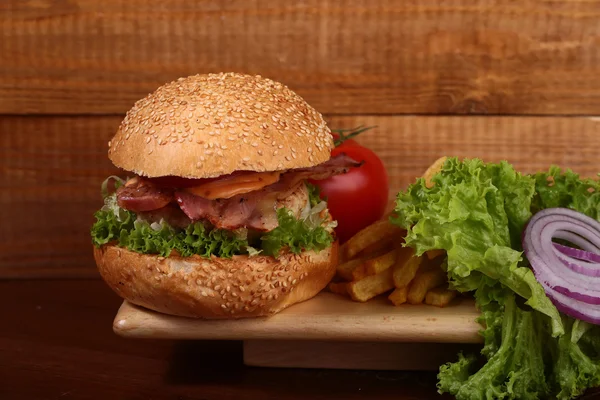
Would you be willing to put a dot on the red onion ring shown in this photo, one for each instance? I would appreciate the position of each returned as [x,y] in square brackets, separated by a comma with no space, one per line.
[569,276]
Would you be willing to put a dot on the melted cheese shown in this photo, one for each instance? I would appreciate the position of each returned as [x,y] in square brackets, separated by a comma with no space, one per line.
[231,186]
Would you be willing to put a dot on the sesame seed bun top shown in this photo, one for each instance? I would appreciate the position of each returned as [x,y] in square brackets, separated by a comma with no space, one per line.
[204,126]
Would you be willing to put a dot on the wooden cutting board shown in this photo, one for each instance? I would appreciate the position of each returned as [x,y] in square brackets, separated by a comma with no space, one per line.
[328,331]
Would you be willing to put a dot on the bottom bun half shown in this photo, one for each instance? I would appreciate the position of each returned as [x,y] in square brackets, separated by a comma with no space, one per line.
[238,287]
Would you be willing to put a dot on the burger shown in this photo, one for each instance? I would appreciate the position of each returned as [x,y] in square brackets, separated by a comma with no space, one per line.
[214,216]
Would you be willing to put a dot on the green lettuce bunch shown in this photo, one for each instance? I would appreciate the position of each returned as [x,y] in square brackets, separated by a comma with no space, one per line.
[477,211]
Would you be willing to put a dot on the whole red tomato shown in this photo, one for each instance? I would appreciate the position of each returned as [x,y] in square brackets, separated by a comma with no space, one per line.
[358,198]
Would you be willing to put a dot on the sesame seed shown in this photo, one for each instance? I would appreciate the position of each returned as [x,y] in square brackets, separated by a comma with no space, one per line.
[204,294]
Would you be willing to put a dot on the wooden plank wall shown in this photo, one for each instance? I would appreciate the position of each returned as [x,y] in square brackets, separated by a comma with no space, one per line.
[492,79]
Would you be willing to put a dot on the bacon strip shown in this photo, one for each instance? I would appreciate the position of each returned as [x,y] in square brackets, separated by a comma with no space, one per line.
[256,209]
[141,195]
[236,212]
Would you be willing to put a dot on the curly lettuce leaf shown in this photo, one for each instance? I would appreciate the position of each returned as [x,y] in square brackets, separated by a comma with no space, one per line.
[523,360]
[576,365]
[314,194]
[294,234]
[516,357]
[115,224]
[556,188]
[476,212]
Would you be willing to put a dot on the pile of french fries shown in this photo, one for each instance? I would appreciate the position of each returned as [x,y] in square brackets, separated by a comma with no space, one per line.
[374,262]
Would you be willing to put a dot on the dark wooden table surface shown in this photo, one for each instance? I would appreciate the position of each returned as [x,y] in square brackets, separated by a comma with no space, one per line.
[56,342]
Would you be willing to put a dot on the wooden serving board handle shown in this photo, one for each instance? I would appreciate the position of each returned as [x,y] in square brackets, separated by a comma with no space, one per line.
[351,355]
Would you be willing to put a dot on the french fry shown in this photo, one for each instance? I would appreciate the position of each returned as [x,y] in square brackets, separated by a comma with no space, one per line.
[381,263]
[372,266]
[349,270]
[372,234]
[346,269]
[399,296]
[376,249]
[359,272]
[339,288]
[406,268]
[371,286]
[432,170]
[424,281]
[440,296]
[431,254]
